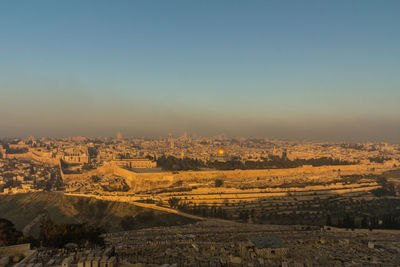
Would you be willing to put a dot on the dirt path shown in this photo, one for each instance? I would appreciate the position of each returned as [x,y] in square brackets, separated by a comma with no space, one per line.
[165,209]
[29,226]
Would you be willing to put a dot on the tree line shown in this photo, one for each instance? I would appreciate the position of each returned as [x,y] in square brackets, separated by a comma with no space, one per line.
[386,221]
[52,235]
[171,163]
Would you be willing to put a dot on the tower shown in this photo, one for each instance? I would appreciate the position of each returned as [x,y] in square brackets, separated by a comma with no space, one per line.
[284,154]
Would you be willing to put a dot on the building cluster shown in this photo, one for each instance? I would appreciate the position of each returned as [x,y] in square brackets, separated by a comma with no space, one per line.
[98,150]
[220,243]
[21,176]
[135,163]
[26,163]
[255,149]
[70,255]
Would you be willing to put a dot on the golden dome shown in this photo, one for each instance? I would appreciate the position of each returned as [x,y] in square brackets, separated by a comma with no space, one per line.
[221,151]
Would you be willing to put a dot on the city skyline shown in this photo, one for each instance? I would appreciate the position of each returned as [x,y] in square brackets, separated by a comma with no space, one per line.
[278,69]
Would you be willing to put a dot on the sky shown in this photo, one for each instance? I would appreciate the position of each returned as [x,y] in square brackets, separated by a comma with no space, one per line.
[315,70]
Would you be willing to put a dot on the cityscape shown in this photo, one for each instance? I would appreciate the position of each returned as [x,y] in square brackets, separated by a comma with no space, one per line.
[332,196]
[199,133]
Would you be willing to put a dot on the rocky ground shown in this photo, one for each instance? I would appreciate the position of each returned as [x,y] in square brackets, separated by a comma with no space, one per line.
[216,243]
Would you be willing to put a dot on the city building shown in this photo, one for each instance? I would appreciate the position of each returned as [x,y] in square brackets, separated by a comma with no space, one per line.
[135,163]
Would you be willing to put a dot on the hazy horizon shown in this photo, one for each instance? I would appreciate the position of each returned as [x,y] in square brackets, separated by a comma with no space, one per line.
[281,69]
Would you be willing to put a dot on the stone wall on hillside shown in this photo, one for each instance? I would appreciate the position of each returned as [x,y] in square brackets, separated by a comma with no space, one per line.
[240,174]
[148,181]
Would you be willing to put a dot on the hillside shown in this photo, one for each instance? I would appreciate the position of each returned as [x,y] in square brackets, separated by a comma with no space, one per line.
[22,209]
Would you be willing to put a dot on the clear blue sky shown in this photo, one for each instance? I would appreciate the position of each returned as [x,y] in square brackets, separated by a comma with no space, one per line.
[327,70]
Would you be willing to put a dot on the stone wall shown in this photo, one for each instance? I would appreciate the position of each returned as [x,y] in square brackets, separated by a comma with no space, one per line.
[71,177]
[146,181]
[32,156]
[22,249]
[301,171]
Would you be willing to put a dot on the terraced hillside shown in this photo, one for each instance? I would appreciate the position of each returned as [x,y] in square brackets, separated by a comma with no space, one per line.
[22,209]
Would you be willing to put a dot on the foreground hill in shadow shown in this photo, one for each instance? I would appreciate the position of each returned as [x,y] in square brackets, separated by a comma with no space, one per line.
[23,209]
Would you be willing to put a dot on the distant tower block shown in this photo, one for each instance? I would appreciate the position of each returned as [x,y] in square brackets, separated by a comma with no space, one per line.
[120,136]
[285,154]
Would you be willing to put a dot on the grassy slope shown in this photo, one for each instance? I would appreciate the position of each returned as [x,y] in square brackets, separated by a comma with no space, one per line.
[394,174]
[21,209]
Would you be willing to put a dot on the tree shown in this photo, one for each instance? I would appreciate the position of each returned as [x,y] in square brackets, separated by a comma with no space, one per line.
[57,235]
[46,226]
[95,179]
[128,223]
[171,163]
[8,234]
[219,182]
[328,220]
[174,202]
[244,215]
[145,217]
